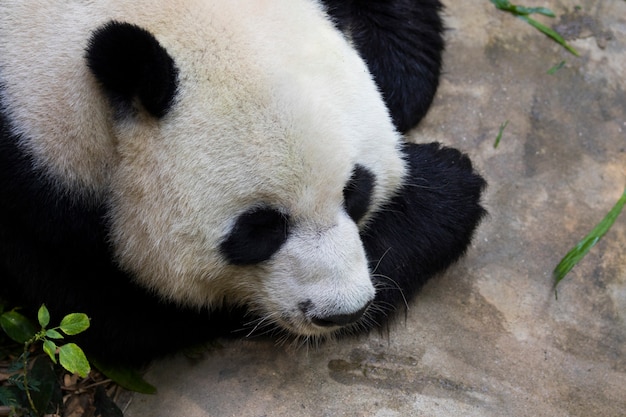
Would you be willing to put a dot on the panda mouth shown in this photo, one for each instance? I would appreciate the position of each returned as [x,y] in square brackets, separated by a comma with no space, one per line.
[340,320]
[306,324]
[304,321]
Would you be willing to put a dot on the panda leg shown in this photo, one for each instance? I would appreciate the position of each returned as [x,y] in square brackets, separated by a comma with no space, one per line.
[401,41]
[424,228]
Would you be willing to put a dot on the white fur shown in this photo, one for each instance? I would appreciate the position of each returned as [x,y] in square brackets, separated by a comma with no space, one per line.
[274,107]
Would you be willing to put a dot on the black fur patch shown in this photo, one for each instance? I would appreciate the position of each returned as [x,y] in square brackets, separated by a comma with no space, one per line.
[131,64]
[425,228]
[357,194]
[256,236]
[401,41]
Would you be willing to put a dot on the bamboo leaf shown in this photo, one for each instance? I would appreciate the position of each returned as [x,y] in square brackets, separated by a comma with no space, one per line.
[584,246]
[556,68]
[524,12]
[551,33]
[502,127]
[521,10]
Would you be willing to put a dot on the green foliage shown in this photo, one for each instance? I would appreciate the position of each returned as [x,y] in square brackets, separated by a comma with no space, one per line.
[8,397]
[584,246]
[33,388]
[74,323]
[47,392]
[72,358]
[20,329]
[125,377]
[524,14]
[556,68]
[17,327]
[500,132]
[36,378]
[43,316]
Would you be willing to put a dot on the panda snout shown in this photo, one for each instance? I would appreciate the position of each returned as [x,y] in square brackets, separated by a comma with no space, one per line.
[333,320]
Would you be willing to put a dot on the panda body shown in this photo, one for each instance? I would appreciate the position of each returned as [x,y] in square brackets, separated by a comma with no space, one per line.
[214,166]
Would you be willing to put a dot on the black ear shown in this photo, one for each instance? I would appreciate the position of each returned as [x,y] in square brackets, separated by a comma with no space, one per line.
[131,64]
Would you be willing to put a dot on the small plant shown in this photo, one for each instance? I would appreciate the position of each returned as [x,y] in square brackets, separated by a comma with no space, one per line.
[32,376]
[71,357]
[34,369]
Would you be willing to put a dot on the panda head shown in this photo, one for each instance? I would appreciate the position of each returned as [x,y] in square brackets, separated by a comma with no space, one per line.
[240,170]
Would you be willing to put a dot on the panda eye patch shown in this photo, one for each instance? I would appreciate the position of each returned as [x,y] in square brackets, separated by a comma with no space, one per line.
[256,236]
[357,193]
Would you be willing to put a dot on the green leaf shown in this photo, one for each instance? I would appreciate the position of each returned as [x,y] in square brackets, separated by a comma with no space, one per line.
[51,349]
[125,377]
[521,10]
[73,359]
[18,381]
[53,334]
[502,4]
[524,12]
[555,68]
[18,364]
[551,33]
[43,316]
[42,371]
[8,397]
[74,323]
[499,137]
[582,248]
[17,327]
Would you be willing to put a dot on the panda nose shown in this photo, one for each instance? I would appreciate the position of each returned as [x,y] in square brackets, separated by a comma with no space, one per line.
[339,319]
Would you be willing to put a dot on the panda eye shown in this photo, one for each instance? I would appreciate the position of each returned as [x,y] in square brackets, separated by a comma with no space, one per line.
[256,236]
[357,193]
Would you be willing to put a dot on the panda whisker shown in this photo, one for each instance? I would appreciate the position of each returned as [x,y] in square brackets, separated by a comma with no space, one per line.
[423,187]
[266,323]
[283,337]
[303,341]
[380,260]
[385,286]
[260,322]
[396,287]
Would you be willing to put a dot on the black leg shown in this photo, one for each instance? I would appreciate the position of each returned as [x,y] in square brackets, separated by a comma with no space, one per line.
[425,228]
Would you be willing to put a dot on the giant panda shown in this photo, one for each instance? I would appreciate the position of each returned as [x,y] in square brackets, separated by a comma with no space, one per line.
[190,169]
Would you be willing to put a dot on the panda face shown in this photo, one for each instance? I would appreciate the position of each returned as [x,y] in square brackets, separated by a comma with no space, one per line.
[236,168]
[318,263]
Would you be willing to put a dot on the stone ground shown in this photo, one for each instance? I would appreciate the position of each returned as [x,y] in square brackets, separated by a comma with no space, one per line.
[488,338]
